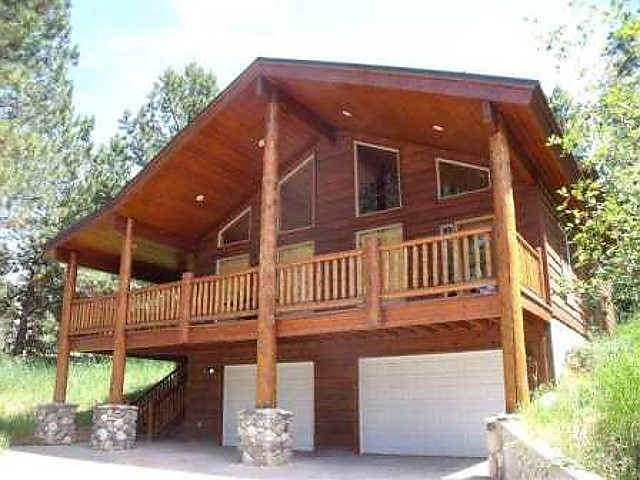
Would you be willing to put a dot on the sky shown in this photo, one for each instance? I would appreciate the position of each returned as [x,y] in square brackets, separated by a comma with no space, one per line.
[126,44]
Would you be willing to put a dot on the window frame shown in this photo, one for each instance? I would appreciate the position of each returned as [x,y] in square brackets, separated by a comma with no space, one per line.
[310,158]
[459,163]
[226,226]
[357,180]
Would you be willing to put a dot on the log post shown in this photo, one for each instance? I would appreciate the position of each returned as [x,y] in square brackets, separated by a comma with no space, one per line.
[373,290]
[120,323]
[266,344]
[62,357]
[185,305]
[512,326]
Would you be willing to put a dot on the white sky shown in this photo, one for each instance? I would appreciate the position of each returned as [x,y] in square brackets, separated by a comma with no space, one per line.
[125,44]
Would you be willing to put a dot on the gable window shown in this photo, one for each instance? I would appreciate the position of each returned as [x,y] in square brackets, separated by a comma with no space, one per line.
[458,178]
[297,197]
[377,178]
[237,230]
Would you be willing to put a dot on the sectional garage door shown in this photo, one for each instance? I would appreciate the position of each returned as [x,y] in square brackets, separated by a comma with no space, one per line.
[295,393]
[429,404]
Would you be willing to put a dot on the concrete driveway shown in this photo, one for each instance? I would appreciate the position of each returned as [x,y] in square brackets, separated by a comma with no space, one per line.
[195,460]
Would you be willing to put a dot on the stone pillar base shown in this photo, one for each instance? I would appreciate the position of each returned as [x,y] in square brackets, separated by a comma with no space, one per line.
[56,423]
[114,427]
[265,436]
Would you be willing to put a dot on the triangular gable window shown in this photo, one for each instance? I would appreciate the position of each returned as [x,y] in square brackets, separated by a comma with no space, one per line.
[457,178]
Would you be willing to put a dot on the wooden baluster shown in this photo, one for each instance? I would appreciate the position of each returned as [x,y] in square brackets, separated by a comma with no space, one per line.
[425,264]
[295,284]
[476,256]
[414,266]
[466,259]
[488,255]
[334,272]
[327,280]
[318,295]
[241,288]
[343,277]
[434,264]
[445,261]
[404,268]
[351,267]
[359,276]
[456,261]
[185,305]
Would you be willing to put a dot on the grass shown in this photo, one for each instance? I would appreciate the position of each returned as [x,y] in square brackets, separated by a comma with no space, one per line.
[25,383]
[593,415]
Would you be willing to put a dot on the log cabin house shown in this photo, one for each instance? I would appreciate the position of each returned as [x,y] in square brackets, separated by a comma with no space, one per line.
[374,249]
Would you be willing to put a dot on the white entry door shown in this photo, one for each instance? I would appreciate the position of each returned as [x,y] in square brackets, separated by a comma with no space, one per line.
[295,394]
[429,404]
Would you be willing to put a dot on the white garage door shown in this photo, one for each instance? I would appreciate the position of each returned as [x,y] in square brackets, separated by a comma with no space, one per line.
[295,394]
[429,404]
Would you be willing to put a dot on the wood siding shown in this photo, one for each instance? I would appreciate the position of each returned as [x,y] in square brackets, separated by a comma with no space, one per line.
[336,377]
[336,223]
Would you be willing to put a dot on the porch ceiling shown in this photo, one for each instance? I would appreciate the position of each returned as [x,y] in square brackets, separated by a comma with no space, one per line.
[218,154]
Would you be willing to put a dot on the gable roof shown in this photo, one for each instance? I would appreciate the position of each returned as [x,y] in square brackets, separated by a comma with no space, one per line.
[218,154]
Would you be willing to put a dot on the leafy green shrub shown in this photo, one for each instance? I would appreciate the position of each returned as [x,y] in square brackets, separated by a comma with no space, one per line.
[593,415]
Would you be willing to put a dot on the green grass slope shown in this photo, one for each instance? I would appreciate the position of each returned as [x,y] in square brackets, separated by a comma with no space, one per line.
[593,415]
[25,383]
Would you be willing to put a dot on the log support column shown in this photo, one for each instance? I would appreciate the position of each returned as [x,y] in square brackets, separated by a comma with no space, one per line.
[512,325]
[265,433]
[114,425]
[55,422]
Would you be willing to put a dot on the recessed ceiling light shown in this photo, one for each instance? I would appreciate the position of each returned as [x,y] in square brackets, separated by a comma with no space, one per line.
[438,128]
[347,113]
[199,198]
[261,143]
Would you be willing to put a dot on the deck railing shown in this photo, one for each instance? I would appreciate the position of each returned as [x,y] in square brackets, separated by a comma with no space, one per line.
[458,263]
[323,281]
[216,297]
[154,306]
[530,267]
[437,265]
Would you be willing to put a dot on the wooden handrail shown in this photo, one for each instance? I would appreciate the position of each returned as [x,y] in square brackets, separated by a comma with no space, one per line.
[437,265]
[530,267]
[460,262]
[162,404]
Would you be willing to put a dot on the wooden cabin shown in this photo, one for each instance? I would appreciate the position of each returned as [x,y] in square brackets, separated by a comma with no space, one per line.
[375,249]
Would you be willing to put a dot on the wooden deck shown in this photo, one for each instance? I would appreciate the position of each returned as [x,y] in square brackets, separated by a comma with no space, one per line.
[424,281]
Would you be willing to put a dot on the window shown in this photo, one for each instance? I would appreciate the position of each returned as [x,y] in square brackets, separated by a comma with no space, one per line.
[457,178]
[237,230]
[394,271]
[236,263]
[297,194]
[377,178]
[296,252]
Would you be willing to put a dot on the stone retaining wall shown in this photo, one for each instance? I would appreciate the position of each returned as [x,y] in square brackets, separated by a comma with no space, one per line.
[512,454]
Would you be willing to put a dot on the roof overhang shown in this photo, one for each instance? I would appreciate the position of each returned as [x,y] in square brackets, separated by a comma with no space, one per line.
[218,155]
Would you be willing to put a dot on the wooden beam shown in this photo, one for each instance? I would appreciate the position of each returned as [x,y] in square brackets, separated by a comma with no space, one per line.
[291,105]
[521,162]
[512,329]
[120,322]
[155,235]
[62,357]
[266,342]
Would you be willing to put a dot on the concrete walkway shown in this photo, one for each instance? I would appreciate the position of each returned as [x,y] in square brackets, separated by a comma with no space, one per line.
[200,461]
